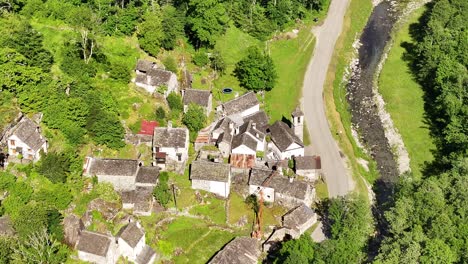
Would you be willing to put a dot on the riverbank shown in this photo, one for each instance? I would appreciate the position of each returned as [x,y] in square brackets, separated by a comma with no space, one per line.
[404,98]
[339,118]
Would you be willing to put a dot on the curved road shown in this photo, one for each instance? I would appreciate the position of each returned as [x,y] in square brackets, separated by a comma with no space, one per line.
[336,175]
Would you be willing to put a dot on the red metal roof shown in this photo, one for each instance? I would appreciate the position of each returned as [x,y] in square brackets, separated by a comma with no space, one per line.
[147,127]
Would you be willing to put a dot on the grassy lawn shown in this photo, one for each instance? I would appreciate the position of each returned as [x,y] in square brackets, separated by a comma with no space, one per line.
[337,108]
[212,209]
[185,239]
[291,58]
[404,99]
[321,190]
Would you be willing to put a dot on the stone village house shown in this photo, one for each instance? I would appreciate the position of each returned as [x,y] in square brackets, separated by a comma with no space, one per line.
[170,144]
[150,78]
[243,105]
[105,249]
[135,183]
[284,143]
[202,98]
[211,177]
[279,188]
[26,139]
[308,166]
[241,250]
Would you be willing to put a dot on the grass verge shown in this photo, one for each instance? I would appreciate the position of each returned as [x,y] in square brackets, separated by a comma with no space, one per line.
[404,99]
[337,108]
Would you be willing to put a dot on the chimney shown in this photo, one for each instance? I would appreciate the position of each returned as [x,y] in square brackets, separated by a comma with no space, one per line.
[169,124]
[291,179]
[254,125]
[237,131]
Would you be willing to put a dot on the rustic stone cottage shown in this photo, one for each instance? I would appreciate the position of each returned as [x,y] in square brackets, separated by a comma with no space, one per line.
[299,219]
[284,143]
[308,166]
[241,250]
[97,248]
[170,144]
[151,78]
[26,139]
[279,188]
[131,244]
[211,177]
[243,105]
[123,174]
[202,98]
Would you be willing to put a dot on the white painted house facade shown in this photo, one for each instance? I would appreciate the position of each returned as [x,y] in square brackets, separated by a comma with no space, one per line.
[284,143]
[211,177]
[170,143]
[26,140]
[152,78]
[97,248]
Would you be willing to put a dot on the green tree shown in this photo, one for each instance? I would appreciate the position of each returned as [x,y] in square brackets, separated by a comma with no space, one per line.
[217,62]
[7,246]
[170,64]
[30,218]
[200,59]
[206,20]
[161,192]
[150,32]
[120,72]
[40,247]
[195,118]
[297,251]
[172,25]
[160,114]
[55,167]
[175,102]
[105,128]
[256,71]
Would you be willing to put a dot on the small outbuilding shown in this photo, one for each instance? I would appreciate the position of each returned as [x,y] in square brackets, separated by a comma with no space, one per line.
[308,166]
[299,219]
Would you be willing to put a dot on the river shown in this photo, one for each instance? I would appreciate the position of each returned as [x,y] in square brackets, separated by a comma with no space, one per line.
[365,118]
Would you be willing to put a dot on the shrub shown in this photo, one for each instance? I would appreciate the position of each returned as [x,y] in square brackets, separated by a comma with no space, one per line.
[170,64]
[200,59]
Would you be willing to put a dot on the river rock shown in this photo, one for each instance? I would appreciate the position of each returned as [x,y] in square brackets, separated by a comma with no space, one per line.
[72,227]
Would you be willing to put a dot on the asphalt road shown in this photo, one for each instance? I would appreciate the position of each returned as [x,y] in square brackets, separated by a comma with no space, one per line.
[336,175]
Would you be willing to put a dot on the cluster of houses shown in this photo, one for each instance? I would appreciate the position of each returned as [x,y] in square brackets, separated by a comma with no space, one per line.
[261,152]
[100,248]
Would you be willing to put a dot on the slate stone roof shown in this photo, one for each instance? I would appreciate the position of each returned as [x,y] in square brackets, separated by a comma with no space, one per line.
[281,184]
[260,118]
[244,139]
[145,255]
[144,65]
[209,171]
[154,77]
[165,137]
[283,136]
[240,103]
[131,234]
[140,196]
[147,175]
[113,167]
[199,97]
[6,227]
[26,131]
[297,112]
[159,77]
[307,163]
[94,243]
[241,250]
[277,164]
[298,216]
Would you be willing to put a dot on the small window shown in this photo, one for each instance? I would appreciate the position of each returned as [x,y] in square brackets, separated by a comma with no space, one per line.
[12,142]
[14,151]
[29,150]
[179,156]
[30,156]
